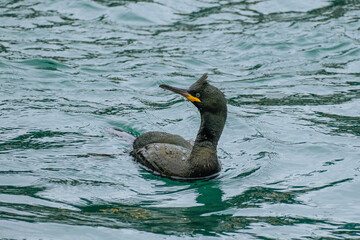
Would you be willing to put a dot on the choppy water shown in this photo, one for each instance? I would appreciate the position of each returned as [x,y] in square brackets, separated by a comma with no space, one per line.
[70,70]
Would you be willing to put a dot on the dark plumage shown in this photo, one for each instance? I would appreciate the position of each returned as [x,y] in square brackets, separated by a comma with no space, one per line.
[171,155]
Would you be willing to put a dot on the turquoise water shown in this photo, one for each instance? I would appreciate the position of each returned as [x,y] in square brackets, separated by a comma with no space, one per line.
[290,150]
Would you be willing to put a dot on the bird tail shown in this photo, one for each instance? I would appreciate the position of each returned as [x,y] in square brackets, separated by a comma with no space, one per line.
[121,134]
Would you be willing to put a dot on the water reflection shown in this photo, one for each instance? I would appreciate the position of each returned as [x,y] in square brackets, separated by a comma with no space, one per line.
[213,216]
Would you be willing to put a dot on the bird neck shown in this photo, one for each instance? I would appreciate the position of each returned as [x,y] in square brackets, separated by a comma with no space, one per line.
[203,157]
[210,130]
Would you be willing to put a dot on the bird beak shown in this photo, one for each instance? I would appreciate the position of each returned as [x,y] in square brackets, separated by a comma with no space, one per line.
[180,91]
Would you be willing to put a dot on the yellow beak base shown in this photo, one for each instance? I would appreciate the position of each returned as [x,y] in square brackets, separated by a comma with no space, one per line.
[192,98]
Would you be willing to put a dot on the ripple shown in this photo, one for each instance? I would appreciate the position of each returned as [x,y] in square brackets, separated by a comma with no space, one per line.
[295,100]
[338,123]
[44,64]
[38,140]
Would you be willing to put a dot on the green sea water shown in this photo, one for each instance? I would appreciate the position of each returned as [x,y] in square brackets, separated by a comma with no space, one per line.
[290,150]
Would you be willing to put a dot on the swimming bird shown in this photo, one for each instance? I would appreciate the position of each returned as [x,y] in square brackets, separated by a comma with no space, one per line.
[171,155]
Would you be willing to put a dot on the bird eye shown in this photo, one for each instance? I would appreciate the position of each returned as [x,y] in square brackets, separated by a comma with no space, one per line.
[197,95]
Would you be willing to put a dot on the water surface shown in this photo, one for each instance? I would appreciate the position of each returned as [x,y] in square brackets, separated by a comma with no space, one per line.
[290,151]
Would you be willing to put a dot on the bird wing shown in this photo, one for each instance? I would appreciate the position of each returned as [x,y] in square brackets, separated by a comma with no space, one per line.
[164,158]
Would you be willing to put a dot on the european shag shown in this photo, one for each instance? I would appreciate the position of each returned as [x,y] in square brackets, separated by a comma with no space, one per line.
[171,155]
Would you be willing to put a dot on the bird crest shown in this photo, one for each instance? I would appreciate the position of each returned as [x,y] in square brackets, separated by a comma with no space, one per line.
[203,78]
